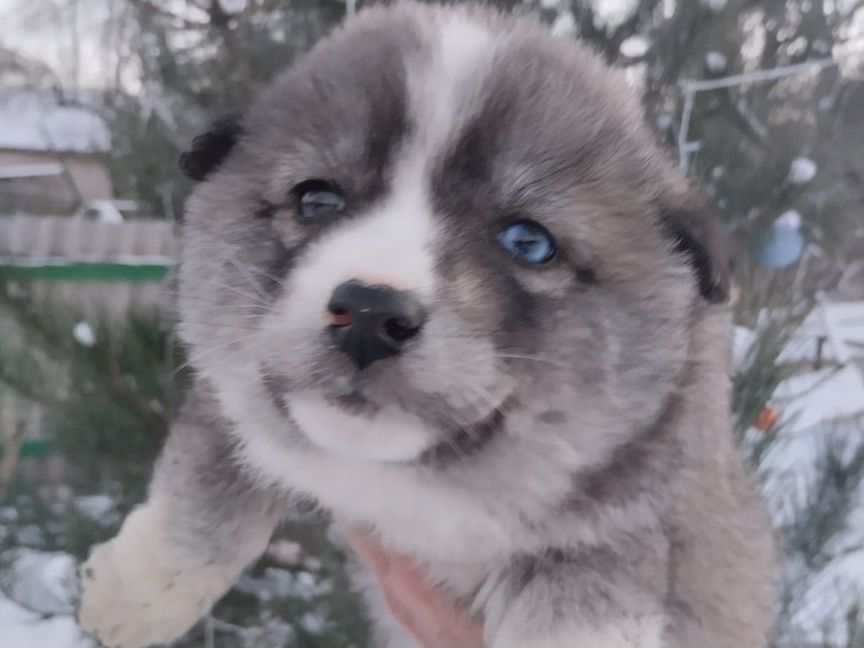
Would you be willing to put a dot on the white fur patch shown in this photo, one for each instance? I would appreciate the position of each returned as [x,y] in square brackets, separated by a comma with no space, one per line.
[356,490]
[138,590]
[628,633]
[391,435]
[442,89]
[392,245]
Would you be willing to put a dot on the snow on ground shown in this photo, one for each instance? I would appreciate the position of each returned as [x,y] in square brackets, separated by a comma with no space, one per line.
[609,14]
[37,602]
[635,46]
[819,407]
[21,628]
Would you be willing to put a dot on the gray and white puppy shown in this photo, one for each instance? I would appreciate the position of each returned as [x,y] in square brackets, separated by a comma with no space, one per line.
[440,278]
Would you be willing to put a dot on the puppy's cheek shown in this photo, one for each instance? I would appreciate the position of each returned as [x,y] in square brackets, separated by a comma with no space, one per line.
[556,283]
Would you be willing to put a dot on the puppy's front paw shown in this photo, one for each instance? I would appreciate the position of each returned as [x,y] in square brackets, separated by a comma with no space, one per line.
[137,592]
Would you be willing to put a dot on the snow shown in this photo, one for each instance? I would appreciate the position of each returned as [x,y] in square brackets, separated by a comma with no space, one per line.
[83,334]
[665,121]
[564,25]
[96,507]
[37,609]
[742,339]
[102,211]
[42,581]
[281,583]
[550,4]
[10,171]
[790,219]
[609,14]
[809,400]
[635,46]
[818,407]
[313,623]
[22,628]
[847,323]
[233,6]
[285,552]
[832,393]
[35,120]
[802,170]
[716,62]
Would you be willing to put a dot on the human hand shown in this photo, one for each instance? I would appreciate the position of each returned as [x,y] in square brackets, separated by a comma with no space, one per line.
[427,612]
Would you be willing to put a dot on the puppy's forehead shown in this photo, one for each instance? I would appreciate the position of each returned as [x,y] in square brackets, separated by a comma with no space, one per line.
[388,81]
[445,87]
[432,77]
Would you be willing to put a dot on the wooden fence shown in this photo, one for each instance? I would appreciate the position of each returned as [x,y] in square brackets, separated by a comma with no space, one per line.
[92,264]
[82,239]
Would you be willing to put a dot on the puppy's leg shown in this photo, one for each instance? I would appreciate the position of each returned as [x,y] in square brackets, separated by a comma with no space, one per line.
[575,601]
[179,552]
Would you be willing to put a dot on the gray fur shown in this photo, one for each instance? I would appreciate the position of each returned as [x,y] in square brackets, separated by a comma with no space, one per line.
[580,484]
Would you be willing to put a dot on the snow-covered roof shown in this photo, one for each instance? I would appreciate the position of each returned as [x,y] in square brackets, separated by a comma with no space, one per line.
[34,120]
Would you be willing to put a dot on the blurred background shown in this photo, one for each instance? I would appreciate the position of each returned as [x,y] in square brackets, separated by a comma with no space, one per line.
[761,102]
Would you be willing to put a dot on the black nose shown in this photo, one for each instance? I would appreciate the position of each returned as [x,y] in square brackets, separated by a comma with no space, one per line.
[371,323]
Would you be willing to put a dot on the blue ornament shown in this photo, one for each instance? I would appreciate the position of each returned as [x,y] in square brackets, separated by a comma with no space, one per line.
[779,246]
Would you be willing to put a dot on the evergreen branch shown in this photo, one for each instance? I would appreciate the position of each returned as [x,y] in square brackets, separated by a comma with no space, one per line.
[39,398]
[11,453]
[155,419]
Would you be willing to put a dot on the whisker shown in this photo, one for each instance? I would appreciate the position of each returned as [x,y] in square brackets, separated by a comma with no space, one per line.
[200,356]
[532,358]
[238,290]
[279,281]
[219,325]
[218,302]
[263,293]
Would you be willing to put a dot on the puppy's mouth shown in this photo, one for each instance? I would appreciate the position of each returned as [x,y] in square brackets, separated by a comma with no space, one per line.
[458,440]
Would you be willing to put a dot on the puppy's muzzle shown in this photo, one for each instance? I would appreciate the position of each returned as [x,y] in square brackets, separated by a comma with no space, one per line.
[370,323]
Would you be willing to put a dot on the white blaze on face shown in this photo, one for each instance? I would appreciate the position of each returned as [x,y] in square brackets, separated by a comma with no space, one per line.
[393,244]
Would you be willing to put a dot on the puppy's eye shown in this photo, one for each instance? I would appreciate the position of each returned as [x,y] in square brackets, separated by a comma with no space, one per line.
[528,241]
[317,199]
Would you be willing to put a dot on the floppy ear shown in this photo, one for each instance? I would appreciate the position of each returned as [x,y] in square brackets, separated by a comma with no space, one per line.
[698,234]
[210,149]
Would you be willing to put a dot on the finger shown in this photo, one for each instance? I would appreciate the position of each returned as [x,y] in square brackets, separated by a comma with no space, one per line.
[431,615]
[369,551]
[426,611]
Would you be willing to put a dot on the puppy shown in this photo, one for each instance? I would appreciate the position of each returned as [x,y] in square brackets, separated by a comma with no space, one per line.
[440,279]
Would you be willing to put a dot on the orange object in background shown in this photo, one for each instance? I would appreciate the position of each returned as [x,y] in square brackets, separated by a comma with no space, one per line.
[767,419]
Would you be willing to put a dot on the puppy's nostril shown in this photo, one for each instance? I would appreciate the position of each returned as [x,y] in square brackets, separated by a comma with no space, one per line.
[399,329]
[339,316]
[370,323]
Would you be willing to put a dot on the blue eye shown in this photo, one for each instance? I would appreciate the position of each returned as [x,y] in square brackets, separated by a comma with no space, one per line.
[528,241]
[317,199]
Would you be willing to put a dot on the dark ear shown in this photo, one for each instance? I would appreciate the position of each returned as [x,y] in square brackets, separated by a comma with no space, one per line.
[210,149]
[699,234]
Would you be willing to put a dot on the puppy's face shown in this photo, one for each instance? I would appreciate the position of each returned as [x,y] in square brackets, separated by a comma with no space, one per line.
[443,228]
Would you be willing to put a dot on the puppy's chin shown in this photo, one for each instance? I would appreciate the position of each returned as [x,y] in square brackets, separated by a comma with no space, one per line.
[387,434]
